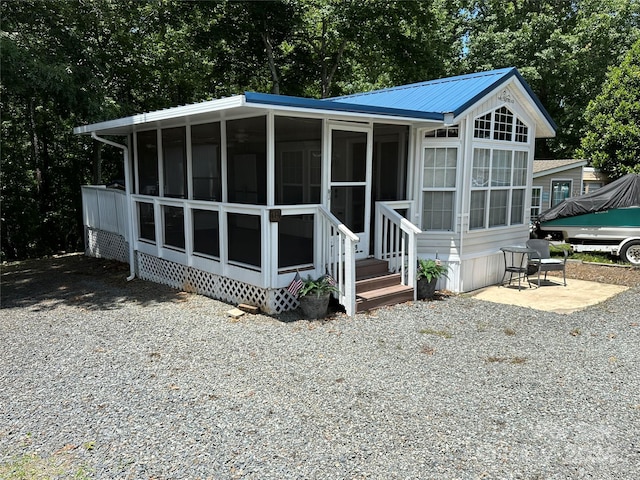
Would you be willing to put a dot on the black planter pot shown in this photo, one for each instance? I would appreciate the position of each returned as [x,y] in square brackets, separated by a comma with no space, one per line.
[426,288]
[313,306]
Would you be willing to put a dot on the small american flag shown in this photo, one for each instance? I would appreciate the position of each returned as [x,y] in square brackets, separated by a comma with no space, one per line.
[330,280]
[296,285]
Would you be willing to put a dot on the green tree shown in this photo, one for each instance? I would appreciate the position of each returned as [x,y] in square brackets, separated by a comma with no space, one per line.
[612,141]
[71,62]
[360,45]
[58,71]
[321,48]
[41,74]
[562,48]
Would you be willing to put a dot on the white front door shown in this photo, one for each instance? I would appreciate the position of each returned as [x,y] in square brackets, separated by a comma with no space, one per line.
[350,181]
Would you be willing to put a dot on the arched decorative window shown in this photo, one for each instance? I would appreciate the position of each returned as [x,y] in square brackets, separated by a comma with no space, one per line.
[522,132]
[482,127]
[502,125]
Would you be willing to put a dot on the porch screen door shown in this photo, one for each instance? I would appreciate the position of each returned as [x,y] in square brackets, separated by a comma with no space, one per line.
[350,182]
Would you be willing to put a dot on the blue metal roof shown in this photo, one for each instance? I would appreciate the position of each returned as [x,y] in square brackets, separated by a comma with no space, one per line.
[443,95]
[425,100]
[327,104]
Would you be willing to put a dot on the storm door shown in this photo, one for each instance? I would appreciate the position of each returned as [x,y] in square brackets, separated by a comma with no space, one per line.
[350,182]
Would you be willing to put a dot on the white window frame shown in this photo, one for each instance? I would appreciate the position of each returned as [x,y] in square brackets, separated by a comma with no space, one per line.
[434,144]
[488,188]
[487,141]
[492,131]
[536,209]
[559,180]
[452,131]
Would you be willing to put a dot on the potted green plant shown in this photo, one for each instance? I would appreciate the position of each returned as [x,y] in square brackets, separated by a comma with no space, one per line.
[429,271]
[314,296]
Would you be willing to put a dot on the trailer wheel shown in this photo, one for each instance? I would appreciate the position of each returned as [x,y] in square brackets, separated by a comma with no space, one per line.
[631,253]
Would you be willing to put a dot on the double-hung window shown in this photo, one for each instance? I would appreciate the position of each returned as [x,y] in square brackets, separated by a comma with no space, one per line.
[536,201]
[439,188]
[498,183]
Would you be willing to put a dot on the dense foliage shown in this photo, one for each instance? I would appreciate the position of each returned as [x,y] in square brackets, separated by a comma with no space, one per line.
[71,62]
[613,138]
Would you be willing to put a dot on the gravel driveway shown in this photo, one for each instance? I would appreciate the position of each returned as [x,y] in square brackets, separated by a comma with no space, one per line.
[101,378]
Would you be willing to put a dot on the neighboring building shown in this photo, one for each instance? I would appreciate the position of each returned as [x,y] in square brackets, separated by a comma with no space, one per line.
[592,180]
[553,181]
[232,197]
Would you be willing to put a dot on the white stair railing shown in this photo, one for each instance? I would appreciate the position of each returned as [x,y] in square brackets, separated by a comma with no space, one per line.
[396,239]
[337,255]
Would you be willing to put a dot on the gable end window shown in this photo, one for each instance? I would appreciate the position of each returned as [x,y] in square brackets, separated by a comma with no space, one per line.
[522,132]
[501,125]
[482,126]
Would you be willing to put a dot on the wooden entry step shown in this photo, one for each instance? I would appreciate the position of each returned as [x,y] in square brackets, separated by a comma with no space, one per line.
[375,283]
[371,267]
[383,297]
[376,287]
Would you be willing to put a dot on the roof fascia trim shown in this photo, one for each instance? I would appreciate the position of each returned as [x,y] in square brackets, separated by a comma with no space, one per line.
[537,101]
[498,83]
[563,168]
[165,114]
[543,116]
[482,94]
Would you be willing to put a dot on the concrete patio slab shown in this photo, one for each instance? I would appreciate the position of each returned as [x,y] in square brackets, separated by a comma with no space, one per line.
[552,295]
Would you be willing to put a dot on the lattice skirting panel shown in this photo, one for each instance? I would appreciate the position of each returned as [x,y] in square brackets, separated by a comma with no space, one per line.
[189,279]
[101,244]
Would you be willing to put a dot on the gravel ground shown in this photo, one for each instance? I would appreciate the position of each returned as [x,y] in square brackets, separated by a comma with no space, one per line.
[603,273]
[101,378]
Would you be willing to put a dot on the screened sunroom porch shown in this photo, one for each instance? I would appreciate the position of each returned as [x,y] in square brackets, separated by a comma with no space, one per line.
[247,202]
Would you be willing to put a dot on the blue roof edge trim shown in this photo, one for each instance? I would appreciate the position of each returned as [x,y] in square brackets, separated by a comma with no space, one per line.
[510,72]
[513,72]
[328,104]
[535,99]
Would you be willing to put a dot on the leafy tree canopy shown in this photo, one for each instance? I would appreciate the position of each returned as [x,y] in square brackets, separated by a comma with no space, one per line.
[70,62]
[563,49]
[612,141]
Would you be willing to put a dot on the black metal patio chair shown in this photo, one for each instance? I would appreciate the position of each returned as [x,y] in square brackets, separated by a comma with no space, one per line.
[541,261]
